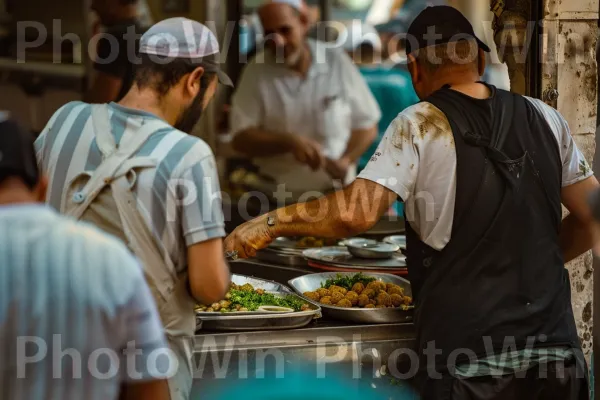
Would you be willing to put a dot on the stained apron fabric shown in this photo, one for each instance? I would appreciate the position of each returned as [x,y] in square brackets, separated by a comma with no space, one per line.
[105,198]
[501,277]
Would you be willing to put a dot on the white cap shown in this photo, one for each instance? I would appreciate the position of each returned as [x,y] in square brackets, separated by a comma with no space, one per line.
[297,4]
[187,39]
[358,33]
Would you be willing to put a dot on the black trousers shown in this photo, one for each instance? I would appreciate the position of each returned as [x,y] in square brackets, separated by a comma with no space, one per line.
[552,381]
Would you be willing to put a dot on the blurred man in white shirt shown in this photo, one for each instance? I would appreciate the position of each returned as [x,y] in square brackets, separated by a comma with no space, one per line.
[77,320]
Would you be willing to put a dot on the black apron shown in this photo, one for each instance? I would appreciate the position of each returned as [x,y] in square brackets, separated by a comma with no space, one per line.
[501,280]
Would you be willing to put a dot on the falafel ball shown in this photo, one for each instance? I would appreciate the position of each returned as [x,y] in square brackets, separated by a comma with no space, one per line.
[370,293]
[363,300]
[388,286]
[353,297]
[407,300]
[383,299]
[370,306]
[340,289]
[396,290]
[325,300]
[323,292]
[376,286]
[358,287]
[247,288]
[396,300]
[312,295]
[336,297]
[345,303]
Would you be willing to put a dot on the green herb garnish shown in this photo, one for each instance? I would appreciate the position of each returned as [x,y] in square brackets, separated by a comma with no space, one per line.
[348,281]
[253,300]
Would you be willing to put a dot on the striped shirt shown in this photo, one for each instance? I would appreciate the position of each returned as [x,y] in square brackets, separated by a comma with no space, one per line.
[71,299]
[179,199]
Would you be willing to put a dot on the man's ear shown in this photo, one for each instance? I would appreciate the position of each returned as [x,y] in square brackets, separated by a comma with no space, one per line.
[39,191]
[481,62]
[192,84]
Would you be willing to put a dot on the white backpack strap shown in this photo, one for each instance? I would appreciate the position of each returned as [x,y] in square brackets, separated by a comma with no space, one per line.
[113,161]
[103,130]
[156,260]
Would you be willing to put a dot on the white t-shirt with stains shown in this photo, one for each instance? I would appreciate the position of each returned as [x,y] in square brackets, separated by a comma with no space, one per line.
[417,160]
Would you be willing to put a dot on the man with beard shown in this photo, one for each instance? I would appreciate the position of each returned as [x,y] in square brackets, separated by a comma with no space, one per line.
[131,169]
[302,110]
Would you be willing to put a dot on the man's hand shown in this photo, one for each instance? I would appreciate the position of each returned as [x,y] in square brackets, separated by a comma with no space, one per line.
[307,151]
[246,239]
[338,169]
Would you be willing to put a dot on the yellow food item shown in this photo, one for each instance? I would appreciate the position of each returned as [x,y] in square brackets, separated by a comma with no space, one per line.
[345,303]
[340,289]
[370,293]
[363,300]
[376,286]
[396,300]
[312,296]
[352,297]
[383,299]
[336,297]
[395,290]
[376,294]
[358,288]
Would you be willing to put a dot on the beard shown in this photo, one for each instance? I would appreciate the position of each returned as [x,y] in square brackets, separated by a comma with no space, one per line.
[191,115]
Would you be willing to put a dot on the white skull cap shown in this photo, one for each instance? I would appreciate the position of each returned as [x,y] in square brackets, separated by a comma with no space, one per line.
[297,4]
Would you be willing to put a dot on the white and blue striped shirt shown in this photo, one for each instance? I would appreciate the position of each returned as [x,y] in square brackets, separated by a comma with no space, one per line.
[180,199]
[71,300]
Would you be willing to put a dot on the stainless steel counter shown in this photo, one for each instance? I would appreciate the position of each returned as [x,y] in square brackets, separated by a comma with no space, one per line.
[374,352]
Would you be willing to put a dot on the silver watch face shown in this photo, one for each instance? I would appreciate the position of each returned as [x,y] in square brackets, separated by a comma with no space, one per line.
[271,221]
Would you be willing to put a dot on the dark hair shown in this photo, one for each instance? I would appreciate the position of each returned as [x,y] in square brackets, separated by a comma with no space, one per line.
[162,76]
[129,2]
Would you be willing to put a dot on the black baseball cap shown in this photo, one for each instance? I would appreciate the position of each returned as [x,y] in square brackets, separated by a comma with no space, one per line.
[448,25]
[17,154]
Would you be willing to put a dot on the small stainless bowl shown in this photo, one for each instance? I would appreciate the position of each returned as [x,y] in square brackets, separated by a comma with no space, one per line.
[371,249]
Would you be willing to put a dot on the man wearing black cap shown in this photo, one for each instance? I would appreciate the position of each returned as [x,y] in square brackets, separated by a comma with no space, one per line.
[132,169]
[483,173]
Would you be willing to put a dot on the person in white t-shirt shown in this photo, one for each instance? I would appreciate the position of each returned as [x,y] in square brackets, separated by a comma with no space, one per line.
[302,110]
[77,319]
[483,173]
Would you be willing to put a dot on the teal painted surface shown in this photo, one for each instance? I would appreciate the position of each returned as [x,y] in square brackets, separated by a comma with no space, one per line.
[393,90]
[302,383]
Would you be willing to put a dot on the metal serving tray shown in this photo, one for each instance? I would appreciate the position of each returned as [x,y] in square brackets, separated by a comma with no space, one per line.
[258,321]
[341,256]
[258,283]
[312,282]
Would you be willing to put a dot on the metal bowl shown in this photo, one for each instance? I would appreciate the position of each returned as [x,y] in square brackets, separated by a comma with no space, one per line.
[400,240]
[312,282]
[371,249]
